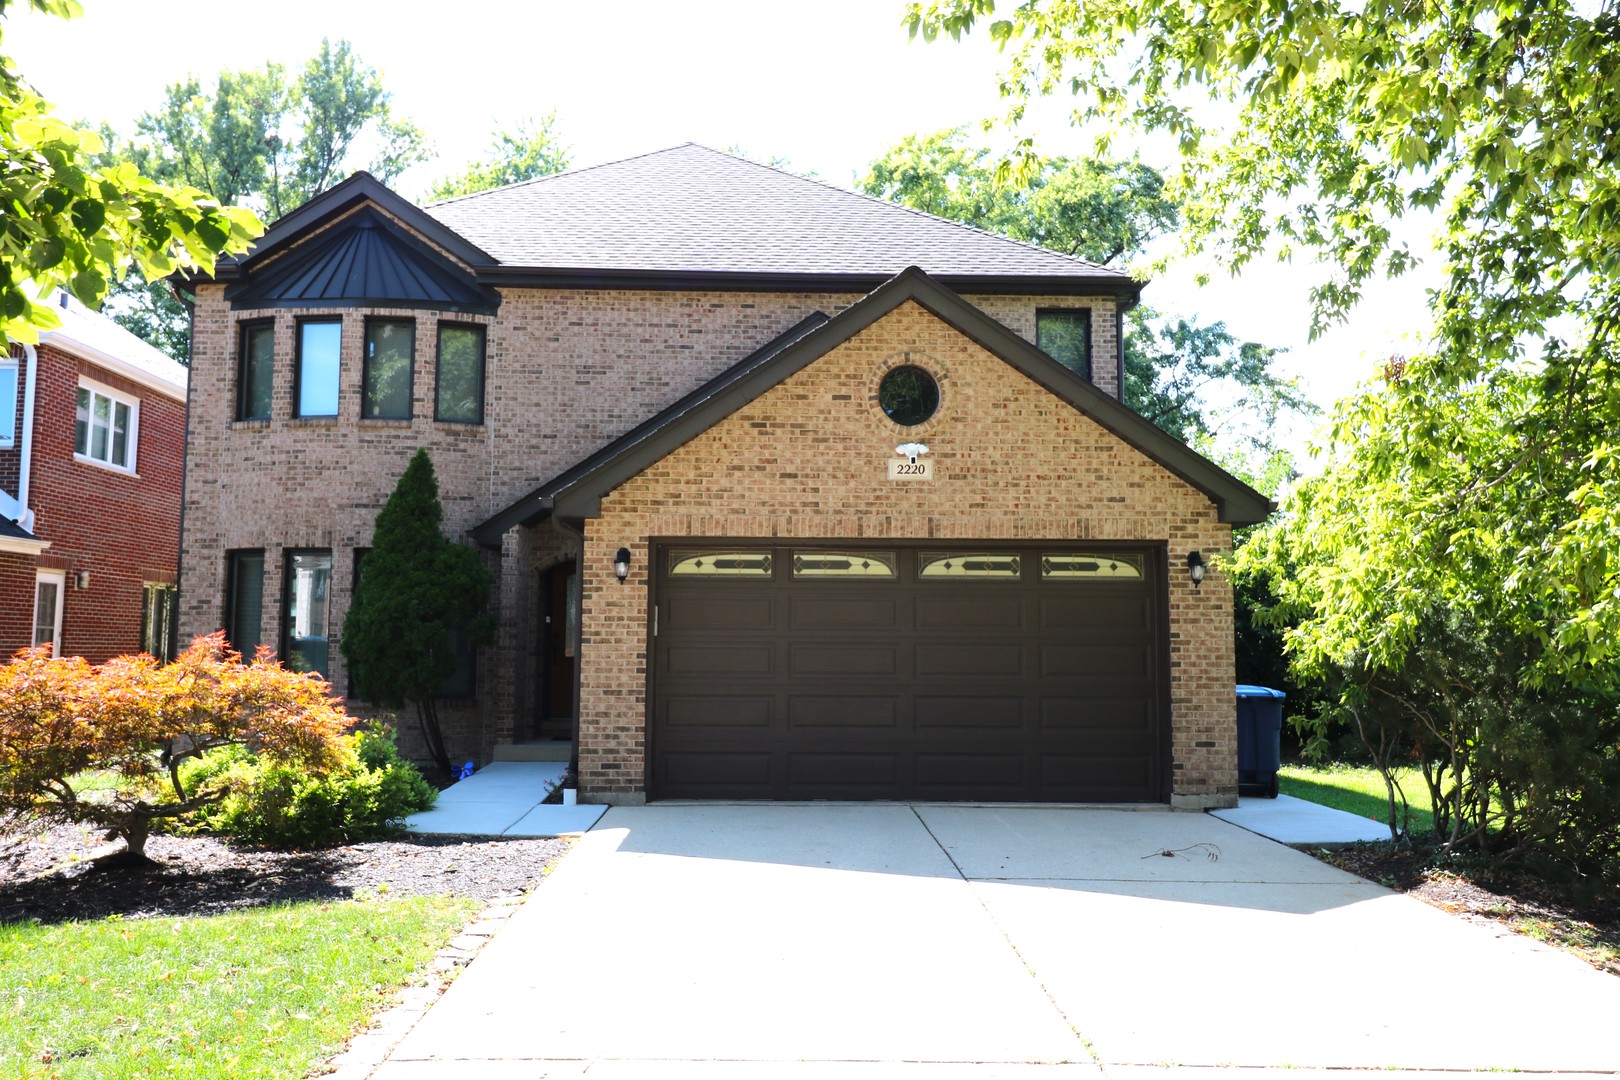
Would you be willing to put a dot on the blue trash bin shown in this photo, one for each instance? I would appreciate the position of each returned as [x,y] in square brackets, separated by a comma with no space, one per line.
[1259,718]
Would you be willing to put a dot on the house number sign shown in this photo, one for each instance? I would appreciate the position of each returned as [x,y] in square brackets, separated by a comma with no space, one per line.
[905,469]
[912,463]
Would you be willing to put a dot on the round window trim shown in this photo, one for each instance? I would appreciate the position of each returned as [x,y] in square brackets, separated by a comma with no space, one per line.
[908,395]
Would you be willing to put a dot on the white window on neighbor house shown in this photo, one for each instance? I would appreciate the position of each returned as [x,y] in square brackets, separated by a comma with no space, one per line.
[8,402]
[49,586]
[106,426]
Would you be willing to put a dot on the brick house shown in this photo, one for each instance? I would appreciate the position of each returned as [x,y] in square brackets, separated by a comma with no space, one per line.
[788,492]
[92,443]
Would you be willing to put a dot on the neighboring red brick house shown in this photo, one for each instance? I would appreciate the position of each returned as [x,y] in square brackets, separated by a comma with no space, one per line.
[788,492]
[92,438]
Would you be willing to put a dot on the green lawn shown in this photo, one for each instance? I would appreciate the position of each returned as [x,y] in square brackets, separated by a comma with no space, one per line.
[265,993]
[1357,789]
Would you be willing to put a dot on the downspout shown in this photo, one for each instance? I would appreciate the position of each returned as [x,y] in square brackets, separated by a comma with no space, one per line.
[25,460]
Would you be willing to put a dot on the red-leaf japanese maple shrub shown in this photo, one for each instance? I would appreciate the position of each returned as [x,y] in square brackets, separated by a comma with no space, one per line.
[137,721]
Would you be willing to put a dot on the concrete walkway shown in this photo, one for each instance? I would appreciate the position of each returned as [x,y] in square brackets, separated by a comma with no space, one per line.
[947,941]
[503,799]
[1294,821]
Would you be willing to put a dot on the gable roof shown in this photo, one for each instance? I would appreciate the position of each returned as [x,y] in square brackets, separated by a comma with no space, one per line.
[577,493]
[690,210]
[357,190]
[364,259]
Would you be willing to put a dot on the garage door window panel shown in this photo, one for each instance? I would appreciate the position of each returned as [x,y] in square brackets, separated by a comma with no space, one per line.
[845,565]
[968,566]
[720,564]
[1070,566]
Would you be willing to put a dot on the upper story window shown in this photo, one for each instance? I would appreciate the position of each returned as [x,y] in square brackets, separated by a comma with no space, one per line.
[105,428]
[319,344]
[8,403]
[390,356]
[1064,334]
[255,370]
[459,393]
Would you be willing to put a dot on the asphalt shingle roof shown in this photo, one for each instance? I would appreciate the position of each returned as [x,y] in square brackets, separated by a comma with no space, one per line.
[693,209]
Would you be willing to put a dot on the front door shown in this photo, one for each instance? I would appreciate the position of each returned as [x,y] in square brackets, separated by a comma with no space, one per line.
[559,636]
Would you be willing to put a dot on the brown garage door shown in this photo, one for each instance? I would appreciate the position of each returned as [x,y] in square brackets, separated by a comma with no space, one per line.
[882,671]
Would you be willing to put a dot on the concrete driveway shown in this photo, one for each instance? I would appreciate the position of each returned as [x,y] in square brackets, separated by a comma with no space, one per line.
[934,941]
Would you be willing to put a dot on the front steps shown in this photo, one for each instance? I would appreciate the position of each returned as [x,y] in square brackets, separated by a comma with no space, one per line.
[536,750]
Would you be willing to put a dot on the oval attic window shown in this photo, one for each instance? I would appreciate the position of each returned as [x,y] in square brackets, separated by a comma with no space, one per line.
[908,395]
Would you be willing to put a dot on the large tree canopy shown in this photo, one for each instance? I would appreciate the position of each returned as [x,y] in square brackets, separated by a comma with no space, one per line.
[1314,125]
[530,150]
[1106,212]
[73,221]
[262,139]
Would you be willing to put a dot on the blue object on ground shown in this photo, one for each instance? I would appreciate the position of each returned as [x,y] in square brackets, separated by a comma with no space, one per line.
[466,771]
[1259,717]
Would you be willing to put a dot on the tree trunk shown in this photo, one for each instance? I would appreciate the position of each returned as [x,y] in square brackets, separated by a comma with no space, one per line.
[427,714]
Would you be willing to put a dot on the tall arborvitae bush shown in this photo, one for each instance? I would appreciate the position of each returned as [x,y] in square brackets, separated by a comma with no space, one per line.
[416,591]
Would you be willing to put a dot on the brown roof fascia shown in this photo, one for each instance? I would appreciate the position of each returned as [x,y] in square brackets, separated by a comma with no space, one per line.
[1121,287]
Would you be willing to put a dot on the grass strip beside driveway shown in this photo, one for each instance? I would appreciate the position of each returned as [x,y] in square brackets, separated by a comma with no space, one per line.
[261,993]
[1359,790]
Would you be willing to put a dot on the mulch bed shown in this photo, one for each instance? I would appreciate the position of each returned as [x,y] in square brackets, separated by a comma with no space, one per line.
[1519,900]
[49,872]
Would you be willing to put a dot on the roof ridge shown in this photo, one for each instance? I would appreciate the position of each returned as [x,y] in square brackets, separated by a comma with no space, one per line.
[557,175]
[908,209]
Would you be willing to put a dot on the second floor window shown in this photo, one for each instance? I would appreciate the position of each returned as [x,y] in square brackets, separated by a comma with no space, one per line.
[319,345]
[104,427]
[1065,335]
[459,395]
[255,369]
[390,355]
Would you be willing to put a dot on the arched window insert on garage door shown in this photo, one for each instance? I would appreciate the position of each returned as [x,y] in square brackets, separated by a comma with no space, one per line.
[968,565]
[844,564]
[1081,566]
[719,563]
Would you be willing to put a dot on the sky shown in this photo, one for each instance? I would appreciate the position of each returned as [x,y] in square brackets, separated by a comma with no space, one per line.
[828,85]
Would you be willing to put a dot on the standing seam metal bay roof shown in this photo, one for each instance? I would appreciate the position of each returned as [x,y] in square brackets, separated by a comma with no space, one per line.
[690,208]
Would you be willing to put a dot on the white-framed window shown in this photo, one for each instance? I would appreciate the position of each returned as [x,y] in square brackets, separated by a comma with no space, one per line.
[8,402]
[49,587]
[106,426]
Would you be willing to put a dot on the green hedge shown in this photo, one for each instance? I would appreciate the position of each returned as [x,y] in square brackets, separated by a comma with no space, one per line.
[275,805]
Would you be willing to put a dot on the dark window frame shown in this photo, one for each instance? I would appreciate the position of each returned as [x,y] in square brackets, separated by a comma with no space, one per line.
[245,330]
[298,366]
[284,638]
[365,367]
[438,368]
[233,558]
[1083,316]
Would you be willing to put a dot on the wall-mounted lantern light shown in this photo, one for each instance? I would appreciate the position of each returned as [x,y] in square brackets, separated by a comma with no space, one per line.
[1195,567]
[81,580]
[621,564]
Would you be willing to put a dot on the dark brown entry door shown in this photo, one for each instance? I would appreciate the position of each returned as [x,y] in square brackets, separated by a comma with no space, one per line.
[559,624]
[882,671]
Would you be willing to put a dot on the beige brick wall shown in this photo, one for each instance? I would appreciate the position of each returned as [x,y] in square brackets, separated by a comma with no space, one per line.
[809,459]
[567,371]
